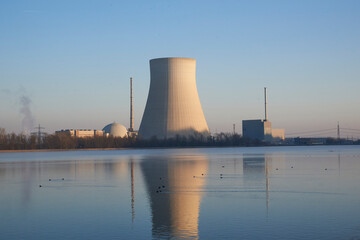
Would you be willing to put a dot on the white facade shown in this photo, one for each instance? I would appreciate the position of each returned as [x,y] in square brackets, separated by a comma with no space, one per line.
[115,130]
[173,105]
[81,133]
[278,133]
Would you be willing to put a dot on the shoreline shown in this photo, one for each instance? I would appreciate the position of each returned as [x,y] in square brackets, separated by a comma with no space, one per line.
[61,150]
[129,148]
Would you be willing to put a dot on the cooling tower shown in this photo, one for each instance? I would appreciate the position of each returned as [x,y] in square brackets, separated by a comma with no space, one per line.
[173,105]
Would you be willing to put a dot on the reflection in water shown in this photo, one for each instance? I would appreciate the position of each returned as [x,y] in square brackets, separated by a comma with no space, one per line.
[256,168]
[339,163]
[174,187]
[132,190]
[96,199]
[61,173]
[174,193]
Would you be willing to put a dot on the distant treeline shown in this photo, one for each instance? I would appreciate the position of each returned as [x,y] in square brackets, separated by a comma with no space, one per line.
[12,141]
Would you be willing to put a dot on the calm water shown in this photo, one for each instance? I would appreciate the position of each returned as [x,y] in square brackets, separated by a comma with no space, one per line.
[218,193]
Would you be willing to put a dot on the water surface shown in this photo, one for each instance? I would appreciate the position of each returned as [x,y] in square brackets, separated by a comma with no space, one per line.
[207,193]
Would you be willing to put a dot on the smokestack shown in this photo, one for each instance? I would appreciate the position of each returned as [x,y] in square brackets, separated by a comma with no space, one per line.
[265,96]
[131,129]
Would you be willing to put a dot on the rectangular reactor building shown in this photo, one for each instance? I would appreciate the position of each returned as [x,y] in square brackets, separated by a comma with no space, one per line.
[261,130]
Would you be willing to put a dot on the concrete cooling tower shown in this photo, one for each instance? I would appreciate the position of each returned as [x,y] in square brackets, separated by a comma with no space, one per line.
[173,105]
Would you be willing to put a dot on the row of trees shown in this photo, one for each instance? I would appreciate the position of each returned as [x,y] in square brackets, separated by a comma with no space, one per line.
[12,141]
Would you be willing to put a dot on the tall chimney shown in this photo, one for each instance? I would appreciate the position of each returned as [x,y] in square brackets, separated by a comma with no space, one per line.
[131,129]
[265,92]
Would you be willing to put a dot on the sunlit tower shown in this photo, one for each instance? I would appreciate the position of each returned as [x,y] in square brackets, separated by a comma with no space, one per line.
[173,106]
[265,99]
[131,129]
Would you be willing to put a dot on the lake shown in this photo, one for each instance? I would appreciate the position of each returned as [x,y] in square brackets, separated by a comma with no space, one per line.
[194,193]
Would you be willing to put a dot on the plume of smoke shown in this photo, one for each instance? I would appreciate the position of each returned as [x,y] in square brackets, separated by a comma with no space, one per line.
[25,111]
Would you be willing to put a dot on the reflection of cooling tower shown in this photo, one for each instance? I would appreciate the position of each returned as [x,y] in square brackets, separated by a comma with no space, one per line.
[173,105]
[175,210]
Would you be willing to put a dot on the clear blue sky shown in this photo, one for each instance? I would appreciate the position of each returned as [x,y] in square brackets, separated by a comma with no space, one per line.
[73,60]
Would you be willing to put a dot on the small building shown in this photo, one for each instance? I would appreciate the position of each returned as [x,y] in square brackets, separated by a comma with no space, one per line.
[261,129]
[309,141]
[132,134]
[278,134]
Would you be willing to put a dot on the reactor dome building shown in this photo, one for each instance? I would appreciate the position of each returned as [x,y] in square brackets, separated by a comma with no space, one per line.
[173,105]
[115,130]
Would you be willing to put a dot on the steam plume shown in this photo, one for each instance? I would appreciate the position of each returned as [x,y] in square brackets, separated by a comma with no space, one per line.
[28,120]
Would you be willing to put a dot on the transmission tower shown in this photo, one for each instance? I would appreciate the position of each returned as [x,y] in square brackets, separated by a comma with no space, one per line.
[338,131]
[39,133]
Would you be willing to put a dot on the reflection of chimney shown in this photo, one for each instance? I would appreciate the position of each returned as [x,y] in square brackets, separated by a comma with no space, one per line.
[267,184]
[265,93]
[132,191]
[256,167]
[131,129]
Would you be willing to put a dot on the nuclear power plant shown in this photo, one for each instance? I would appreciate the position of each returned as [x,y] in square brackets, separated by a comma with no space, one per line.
[173,108]
[173,105]
[115,130]
[261,128]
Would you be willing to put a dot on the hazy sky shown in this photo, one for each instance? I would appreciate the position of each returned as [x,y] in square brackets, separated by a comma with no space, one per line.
[69,62]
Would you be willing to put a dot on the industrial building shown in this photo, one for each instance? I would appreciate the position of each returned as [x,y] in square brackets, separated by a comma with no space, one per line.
[118,130]
[115,130]
[261,128]
[81,133]
[173,105]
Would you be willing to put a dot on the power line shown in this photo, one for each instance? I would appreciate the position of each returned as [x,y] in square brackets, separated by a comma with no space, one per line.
[325,135]
[39,133]
[324,130]
[350,132]
[353,129]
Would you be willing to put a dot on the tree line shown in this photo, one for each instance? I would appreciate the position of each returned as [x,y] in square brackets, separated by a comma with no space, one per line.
[12,141]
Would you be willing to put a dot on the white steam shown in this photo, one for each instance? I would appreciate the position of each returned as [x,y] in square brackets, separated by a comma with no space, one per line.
[25,111]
